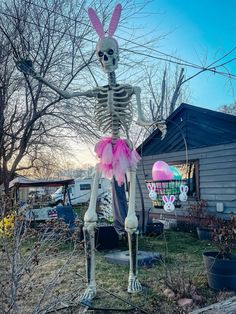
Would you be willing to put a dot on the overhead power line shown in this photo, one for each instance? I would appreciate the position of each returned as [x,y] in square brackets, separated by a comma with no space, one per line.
[125,39]
[181,62]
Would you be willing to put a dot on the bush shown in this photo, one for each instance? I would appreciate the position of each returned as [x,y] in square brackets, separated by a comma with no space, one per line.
[224,236]
[7,226]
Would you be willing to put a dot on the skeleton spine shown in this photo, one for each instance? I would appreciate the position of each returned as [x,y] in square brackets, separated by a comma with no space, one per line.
[115,125]
[112,78]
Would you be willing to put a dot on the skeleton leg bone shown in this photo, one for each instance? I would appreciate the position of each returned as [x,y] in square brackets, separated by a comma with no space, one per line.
[90,221]
[131,225]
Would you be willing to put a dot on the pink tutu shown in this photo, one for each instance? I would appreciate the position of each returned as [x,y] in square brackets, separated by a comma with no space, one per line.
[115,159]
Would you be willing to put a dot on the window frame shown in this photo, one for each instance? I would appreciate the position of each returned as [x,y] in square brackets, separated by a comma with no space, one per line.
[197,178]
[85,186]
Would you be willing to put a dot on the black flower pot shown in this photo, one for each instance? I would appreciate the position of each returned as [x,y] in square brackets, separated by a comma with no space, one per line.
[221,273]
[106,237]
[204,233]
[154,228]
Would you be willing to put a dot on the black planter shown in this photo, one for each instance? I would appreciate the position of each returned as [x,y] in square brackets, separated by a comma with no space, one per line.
[204,233]
[106,237]
[221,273]
[155,228]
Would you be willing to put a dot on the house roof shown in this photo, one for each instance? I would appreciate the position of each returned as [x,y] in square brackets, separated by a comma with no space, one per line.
[195,126]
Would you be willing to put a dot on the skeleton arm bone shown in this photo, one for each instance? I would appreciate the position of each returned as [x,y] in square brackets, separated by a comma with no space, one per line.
[63,93]
[141,120]
[27,68]
[66,94]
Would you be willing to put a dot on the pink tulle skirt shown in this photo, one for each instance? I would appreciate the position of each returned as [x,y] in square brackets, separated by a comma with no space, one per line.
[115,159]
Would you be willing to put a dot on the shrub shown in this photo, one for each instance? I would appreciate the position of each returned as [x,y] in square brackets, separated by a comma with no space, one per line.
[7,226]
[224,236]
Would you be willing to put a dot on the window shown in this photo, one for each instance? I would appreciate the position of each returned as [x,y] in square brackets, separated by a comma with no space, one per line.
[71,190]
[85,186]
[189,173]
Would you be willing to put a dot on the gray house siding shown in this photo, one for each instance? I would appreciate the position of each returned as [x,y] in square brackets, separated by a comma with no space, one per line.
[217,176]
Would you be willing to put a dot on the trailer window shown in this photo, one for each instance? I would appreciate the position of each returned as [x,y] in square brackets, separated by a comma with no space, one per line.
[84,187]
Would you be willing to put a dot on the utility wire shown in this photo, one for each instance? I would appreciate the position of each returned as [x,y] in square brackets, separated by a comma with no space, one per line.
[134,52]
[125,39]
[213,68]
[182,63]
[203,69]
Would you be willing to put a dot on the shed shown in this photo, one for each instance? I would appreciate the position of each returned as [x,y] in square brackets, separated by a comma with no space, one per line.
[206,141]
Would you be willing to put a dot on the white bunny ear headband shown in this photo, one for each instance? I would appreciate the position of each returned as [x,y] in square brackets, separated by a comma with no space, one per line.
[97,25]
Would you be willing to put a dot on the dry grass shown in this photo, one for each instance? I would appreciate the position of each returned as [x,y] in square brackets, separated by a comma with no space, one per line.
[59,275]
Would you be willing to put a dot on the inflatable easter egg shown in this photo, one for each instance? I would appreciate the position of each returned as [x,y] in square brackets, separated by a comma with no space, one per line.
[161,171]
[176,173]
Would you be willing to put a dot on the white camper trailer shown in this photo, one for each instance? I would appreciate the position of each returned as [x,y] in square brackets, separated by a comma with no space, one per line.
[80,191]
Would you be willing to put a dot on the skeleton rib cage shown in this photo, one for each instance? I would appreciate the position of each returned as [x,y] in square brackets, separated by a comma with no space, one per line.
[113,110]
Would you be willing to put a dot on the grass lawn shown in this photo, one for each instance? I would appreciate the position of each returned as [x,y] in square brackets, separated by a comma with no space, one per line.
[182,260]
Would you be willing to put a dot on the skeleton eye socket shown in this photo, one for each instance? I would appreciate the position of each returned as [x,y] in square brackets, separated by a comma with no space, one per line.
[110,52]
[100,54]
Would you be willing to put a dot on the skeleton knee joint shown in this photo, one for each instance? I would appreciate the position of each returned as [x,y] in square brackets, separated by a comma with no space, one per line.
[131,223]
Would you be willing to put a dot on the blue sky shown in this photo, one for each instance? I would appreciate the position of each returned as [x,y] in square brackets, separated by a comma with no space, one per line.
[198,29]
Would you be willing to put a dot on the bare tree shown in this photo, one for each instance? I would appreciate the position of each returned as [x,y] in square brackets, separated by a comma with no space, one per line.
[230,109]
[76,172]
[47,165]
[163,91]
[164,99]
[55,37]
[30,113]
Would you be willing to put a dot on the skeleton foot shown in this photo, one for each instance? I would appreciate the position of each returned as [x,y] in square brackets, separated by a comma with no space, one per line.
[88,295]
[134,286]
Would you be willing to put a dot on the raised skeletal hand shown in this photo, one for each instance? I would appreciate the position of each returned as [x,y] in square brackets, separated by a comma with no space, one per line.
[25,66]
[161,125]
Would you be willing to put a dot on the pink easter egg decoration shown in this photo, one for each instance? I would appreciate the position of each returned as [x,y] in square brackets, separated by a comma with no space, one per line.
[161,171]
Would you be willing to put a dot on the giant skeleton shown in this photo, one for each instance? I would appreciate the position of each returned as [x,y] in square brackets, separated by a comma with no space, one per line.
[113,112]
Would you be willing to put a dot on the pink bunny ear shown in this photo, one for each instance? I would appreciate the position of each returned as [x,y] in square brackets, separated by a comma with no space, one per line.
[114,20]
[172,198]
[153,187]
[97,25]
[186,189]
[165,198]
[149,186]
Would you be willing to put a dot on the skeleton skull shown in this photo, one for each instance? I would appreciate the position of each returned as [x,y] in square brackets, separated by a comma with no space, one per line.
[107,51]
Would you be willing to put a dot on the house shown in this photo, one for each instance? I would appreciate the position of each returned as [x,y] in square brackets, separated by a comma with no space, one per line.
[203,142]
